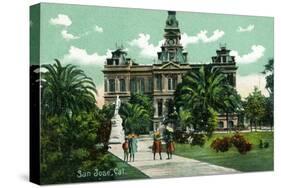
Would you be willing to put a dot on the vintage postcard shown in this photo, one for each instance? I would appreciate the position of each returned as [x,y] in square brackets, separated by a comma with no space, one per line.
[122,93]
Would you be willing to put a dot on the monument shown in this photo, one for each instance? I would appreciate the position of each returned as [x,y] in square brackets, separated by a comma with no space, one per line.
[117,133]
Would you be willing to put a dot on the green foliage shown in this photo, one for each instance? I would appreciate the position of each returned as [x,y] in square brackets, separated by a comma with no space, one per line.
[146,102]
[68,145]
[66,90]
[202,94]
[135,118]
[143,100]
[185,118]
[181,137]
[269,72]
[194,139]
[171,117]
[74,132]
[198,139]
[255,160]
[255,107]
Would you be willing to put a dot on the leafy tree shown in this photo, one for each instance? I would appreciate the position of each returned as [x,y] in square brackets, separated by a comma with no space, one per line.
[66,90]
[80,148]
[135,118]
[185,118]
[171,115]
[74,132]
[269,72]
[146,102]
[255,107]
[204,93]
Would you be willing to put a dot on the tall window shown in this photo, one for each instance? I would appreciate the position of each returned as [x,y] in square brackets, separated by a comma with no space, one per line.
[122,84]
[160,108]
[224,59]
[133,85]
[141,83]
[158,82]
[111,85]
[149,85]
[172,83]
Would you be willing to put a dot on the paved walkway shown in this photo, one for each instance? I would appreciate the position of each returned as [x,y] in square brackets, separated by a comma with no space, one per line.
[177,167]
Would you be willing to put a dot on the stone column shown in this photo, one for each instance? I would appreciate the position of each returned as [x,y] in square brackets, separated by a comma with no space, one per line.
[154,83]
[165,85]
[127,82]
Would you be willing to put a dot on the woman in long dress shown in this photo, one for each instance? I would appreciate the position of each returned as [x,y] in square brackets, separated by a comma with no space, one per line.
[133,147]
[156,147]
[170,146]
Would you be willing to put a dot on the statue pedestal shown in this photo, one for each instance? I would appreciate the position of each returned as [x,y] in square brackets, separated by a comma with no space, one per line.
[117,135]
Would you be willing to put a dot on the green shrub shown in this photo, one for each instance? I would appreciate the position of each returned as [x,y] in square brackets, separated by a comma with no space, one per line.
[266,144]
[263,144]
[181,137]
[189,138]
[198,139]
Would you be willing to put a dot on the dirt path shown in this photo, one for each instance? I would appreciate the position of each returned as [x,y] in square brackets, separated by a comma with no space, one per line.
[176,167]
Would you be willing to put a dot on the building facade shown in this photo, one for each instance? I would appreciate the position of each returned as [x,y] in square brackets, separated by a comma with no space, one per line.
[122,76]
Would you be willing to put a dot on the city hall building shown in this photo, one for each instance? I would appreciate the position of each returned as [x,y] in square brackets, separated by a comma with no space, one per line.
[123,76]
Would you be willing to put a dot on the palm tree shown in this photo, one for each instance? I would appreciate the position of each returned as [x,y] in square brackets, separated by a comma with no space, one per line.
[66,90]
[204,93]
[134,117]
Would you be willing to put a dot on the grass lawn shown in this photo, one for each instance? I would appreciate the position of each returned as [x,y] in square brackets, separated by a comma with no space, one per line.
[255,160]
[130,171]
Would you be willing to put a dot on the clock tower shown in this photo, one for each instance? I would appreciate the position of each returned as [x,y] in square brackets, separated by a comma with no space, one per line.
[172,50]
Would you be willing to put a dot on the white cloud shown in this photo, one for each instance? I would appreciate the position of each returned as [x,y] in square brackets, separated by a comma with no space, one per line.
[249,28]
[61,19]
[81,56]
[98,29]
[217,34]
[256,53]
[150,50]
[201,37]
[68,36]
[246,84]
[146,49]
